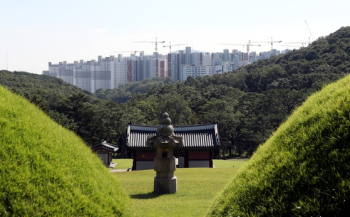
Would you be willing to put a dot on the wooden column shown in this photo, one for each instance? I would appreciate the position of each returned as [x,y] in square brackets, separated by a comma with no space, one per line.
[211,159]
[186,160]
[134,160]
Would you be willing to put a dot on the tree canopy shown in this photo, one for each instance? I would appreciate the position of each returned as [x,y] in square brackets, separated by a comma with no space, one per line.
[303,169]
[247,104]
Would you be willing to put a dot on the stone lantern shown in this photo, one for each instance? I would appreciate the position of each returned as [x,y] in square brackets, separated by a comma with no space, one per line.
[164,163]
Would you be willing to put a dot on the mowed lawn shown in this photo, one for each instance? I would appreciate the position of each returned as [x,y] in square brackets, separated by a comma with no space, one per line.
[197,189]
[122,164]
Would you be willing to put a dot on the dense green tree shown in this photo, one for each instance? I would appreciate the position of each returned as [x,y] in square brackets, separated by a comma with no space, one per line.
[247,104]
[125,91]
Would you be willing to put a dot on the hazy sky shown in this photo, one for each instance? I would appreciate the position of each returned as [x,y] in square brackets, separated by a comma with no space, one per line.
[36,32]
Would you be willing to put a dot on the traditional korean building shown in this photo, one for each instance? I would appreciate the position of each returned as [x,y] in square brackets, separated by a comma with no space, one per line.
[105,151]
[201,145]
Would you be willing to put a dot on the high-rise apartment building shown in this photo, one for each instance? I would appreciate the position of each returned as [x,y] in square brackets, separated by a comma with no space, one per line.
[206,59]
[196,58]
[226,56]
[188,56]
[110,72]
[120,69]
[173,66]
[106,73]
[187,71]
[204,70]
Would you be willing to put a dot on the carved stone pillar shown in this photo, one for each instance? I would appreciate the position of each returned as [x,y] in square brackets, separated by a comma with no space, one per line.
[164,163]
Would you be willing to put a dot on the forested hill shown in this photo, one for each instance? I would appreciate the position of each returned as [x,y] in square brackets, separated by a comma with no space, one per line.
[125,91]
[93,119]
[250,103]
[70,106]
[36,87]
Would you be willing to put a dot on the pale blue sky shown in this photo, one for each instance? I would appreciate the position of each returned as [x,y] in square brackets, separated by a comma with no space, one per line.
[36,32]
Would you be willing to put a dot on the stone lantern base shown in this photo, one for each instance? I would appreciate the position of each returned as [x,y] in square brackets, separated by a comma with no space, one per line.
[165,185]
[165,182]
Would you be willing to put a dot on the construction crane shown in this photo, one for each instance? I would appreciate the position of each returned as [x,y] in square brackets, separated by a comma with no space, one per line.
[299,42]
[270,42]
[248,46]
[155,42]
[132,51]
[172,45]
[309,31]
[285,45]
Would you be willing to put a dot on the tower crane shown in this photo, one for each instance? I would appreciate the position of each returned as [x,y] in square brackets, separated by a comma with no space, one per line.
[155,42]
[248,46]
[172,45]
[285,45]
[300,42]
[128,52]
[291,46]
[309,31]
[270,42]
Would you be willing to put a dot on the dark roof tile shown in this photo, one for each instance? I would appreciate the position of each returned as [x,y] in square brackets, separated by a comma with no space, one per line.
[195,136]
[105,146]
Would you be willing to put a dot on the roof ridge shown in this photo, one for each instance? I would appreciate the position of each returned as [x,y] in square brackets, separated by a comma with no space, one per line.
[173,125]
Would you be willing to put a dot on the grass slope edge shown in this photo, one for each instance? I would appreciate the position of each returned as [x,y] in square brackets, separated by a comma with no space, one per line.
[48,170]
[303,168]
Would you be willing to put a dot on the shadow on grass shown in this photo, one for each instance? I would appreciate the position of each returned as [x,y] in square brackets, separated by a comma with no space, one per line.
[149,195]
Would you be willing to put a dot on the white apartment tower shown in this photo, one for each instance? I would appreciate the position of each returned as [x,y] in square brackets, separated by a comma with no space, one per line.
[188,56]
[106,73]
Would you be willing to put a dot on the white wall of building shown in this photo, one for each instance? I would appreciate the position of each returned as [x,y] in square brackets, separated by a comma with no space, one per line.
[198,163]
[204,70]
[120,71]
[217,69]
[187,71]
[144,165]
[206,60]
[196,59]
[228,66]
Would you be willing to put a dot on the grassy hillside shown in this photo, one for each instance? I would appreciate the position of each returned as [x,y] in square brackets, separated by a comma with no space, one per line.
[60,100]
[92,119]
[43,168]
[303,169]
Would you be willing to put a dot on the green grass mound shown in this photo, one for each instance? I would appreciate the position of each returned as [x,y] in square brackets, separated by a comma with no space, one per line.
[303,169]
[47,170]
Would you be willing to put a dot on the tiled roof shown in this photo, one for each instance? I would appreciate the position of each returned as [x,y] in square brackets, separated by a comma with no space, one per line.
[106,146]
[195,136]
